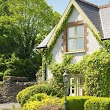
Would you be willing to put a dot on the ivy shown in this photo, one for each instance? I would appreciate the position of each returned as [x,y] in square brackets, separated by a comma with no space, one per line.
[60,29]
[57,69]
[106,45]
[58,32]
[96,68]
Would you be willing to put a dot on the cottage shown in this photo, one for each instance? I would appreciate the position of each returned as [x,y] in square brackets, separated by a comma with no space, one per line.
[84,21]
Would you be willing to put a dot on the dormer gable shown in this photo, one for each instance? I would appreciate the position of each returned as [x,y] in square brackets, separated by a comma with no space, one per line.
[82,11]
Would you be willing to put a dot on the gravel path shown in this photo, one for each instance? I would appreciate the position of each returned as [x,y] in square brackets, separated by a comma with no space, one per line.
[9,105]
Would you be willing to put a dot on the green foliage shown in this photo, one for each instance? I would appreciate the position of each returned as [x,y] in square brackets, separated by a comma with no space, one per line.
[22,28]
[36,105]
[106,45]
[33,105]
[51,106]
[57,69]
[96,69]
[21,67]
[76,102]
[1,76]
[59,30]
[38,97]
[25,94]
[2,64]
[57,87]
[97,104]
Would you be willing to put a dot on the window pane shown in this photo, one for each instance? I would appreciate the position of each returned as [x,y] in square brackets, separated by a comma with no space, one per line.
[80,43]
[72,86]
[71,32]
[80,31]
[71,44]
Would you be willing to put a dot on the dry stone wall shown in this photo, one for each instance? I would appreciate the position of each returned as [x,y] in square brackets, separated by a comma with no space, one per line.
[10,87]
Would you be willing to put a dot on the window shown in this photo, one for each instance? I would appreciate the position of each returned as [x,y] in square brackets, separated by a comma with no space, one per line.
[75,38]
[76,86]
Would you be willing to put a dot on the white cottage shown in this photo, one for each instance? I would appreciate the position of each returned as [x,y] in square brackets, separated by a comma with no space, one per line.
[84,19]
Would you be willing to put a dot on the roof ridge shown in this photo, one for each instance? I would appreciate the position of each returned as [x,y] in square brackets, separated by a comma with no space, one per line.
[104,6]
[89,3]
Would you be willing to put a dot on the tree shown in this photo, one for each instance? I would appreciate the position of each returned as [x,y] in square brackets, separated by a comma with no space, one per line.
[23,24]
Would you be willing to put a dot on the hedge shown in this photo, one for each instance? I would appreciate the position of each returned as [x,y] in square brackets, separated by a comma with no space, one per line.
[76,102]
[24,95]
[97,104]
[38,97]
[37,105]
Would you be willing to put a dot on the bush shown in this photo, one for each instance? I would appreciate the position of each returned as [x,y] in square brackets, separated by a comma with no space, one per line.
[25,94]
[76,102]
[32,105]
[25,67]
[37,105]
[50,107]
[97,104]
[1,76]
[38,97]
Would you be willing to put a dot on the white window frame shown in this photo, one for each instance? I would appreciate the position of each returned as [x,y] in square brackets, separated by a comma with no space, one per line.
[77,87]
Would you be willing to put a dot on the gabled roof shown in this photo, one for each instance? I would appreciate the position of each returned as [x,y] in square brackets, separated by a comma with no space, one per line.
[105,20]
[92,12]
[87,10]
[43,44]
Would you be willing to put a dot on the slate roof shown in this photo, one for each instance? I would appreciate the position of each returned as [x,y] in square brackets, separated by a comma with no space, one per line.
[105,18]
[99,16]
[43,44]
[92,12]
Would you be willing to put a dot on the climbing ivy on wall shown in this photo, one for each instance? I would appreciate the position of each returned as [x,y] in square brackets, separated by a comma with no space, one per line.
[57,69]
[59,30]
[96,68]
[46,54]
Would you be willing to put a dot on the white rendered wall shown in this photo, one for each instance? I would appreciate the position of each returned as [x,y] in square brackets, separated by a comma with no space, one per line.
[57,54]
[49,75]
[75,16]
[92,43]
[57,50]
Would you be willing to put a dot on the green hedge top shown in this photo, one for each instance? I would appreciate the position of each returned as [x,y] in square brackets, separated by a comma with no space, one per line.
[76,102]
[24,95]
[97,104]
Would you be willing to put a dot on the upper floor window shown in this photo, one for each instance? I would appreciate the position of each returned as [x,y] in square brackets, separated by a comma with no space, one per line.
[75,38]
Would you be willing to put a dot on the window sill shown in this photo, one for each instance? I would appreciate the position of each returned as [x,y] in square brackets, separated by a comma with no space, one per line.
[75,52]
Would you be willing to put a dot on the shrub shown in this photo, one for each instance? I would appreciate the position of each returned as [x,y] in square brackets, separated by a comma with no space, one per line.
[38,97]
[37,105]
[25,94]
[97,104]
[32,105]
[1,76]
[25,67]
[50,107]
[76,102]
[96,69]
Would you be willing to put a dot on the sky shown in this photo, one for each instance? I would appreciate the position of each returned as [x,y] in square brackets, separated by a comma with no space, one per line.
[60,5]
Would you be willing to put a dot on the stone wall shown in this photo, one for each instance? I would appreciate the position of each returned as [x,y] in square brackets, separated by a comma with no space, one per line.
[10,87]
